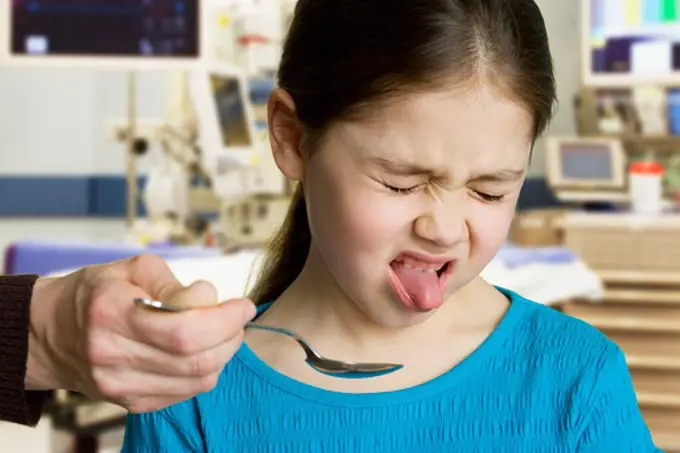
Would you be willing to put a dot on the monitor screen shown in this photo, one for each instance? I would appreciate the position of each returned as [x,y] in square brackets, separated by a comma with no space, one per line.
[231,111]
[633,37]
[105,28]
[586,162]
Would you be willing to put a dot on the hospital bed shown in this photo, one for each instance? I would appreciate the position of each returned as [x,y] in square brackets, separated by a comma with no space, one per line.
[46,257]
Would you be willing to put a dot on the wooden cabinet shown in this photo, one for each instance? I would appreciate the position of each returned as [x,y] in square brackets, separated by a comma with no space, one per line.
[638,262]
[646,325]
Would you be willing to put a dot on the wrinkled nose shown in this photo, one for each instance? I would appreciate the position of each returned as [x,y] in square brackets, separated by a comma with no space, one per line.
[444,226]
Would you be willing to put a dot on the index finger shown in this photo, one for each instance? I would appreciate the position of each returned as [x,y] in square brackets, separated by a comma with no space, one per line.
[191,331]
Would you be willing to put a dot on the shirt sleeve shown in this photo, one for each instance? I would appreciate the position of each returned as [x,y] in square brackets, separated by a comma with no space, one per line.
[16,404]
[613,421]
[172,430]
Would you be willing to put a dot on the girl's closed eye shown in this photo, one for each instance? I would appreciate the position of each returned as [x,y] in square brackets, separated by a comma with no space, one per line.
[405,190]
[489,197]
[402,189]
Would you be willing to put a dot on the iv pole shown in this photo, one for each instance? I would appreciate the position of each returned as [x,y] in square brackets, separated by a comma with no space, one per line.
[131,155]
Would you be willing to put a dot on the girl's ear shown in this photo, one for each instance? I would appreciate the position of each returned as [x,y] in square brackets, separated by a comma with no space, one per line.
[285,134]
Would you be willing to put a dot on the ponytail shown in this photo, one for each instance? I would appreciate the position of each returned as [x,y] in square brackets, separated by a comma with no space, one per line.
[286,254]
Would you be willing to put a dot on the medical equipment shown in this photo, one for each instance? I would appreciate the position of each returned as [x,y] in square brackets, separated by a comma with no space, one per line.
[226,125]
[144,34]
[335,368]
[176,185]
[259,31]
[211,158]
[228,137]
[594,169]
[626,43]
[583,169]
[212,138]
[131,35]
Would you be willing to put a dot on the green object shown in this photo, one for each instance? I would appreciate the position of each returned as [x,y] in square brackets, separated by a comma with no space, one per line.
[669,11]
[672,174]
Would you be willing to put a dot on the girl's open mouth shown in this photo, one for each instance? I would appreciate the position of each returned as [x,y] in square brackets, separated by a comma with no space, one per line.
[419,285]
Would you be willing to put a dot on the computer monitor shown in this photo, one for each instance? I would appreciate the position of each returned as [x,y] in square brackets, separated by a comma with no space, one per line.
[628,43]
[225,118]
[128,34]
[585,164]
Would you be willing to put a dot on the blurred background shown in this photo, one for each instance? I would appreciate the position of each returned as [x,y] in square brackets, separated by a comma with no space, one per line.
[140,125]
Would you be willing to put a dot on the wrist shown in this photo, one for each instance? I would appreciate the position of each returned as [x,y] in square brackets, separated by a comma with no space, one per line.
[47,366]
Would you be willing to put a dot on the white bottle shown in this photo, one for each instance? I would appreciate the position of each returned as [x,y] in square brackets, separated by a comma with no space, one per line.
[646,187]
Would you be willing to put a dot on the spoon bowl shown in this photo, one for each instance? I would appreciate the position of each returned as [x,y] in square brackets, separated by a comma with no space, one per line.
[330,367]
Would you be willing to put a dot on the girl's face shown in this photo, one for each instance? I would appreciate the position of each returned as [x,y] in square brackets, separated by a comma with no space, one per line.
[432,179]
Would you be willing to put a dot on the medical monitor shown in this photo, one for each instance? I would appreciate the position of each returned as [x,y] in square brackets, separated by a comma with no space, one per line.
[585,163]
[129,34]
[631,42]
[225,117]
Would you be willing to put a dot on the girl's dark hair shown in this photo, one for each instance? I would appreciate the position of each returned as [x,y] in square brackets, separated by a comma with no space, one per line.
[344,57]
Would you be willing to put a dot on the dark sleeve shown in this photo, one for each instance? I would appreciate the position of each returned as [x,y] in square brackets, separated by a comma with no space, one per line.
[16,404]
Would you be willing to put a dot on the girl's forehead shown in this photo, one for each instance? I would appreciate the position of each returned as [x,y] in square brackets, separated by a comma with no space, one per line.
[471,127]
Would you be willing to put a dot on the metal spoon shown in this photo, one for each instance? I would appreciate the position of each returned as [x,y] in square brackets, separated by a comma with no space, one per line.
[321,364]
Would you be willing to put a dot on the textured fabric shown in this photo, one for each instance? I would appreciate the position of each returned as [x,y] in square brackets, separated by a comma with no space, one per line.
[16,405]
[541,382]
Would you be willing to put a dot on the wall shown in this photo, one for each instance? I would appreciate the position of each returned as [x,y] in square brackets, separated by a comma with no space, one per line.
[53,143]
[55,158]
[53,121]
[562,19]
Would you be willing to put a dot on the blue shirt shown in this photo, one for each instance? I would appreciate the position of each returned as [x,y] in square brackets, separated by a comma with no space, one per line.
[541,382]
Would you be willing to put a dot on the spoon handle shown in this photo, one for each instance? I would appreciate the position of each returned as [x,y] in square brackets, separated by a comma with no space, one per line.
[311,353]
[327,366]
[251,325]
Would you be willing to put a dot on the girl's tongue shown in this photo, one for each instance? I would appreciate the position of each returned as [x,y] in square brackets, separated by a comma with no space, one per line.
[417,289]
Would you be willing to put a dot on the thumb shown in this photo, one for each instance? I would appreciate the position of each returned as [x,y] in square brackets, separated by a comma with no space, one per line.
[153,276]
[199,294]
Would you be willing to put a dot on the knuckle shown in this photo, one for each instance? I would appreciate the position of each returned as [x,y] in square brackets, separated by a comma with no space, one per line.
[98,351]
[101,311]
[207,363]
[201,365]
[110,388]
[104,350]
[147,260]
[182,339]
[207,383]
[86,275]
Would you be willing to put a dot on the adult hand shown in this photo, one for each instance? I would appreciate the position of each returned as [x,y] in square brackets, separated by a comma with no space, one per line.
[88,336]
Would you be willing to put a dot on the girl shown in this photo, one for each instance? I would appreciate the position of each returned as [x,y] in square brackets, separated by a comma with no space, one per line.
[409,125]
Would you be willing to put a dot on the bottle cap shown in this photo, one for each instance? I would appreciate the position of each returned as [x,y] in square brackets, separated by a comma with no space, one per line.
[646,168]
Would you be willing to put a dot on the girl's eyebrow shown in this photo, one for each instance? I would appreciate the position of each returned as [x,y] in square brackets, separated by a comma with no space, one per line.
[400,167]
[501,176]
